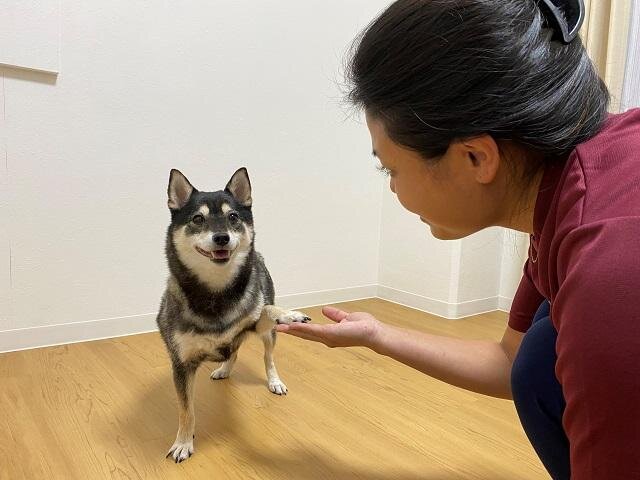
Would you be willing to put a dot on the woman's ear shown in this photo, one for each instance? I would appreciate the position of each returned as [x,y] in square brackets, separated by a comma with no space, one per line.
[483,155]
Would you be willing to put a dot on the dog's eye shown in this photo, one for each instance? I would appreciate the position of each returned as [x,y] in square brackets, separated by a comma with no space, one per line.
[198,219]
[233,217]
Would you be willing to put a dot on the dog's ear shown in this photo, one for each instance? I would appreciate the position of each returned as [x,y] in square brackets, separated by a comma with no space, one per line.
[240,187]
[179,191]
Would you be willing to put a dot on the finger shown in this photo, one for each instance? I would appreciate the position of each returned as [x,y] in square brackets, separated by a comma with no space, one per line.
[306,336]
[307,331]
[334,314]
[308,328]
[286,327]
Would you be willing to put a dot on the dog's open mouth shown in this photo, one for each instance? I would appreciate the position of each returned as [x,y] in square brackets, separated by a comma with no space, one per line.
[218,256]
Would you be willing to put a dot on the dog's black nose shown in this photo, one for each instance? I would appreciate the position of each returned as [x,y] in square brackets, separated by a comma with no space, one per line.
[221,239]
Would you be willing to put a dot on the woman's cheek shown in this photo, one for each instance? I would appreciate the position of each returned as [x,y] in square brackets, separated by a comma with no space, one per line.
[408,201]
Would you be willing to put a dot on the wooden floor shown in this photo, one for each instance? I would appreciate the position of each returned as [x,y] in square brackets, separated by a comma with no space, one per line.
[106,409]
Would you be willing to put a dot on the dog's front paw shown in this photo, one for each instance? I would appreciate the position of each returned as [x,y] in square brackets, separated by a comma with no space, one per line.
[220,373]
[276,386]
[181,451]
[292,317]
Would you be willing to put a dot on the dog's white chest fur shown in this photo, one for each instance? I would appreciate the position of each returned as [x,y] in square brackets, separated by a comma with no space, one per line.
[191,345]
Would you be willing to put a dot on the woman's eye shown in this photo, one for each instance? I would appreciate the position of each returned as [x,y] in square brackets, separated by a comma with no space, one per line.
[233,217]
[198,219]
[384,170]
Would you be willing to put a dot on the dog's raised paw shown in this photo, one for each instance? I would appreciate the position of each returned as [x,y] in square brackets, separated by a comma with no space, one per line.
[181,451]
[293,317]
[276,386]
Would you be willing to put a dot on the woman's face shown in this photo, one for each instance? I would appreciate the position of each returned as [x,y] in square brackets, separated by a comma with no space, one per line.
[455,195]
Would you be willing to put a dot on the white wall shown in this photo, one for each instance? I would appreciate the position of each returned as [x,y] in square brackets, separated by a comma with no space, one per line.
[30,34]
[85,155]
[203,86]
[631,92]
[5,253]
[514,253]
[480,272]
[411,260]
[452,279]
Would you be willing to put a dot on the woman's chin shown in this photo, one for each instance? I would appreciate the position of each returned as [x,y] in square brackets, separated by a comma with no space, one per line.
[444,234]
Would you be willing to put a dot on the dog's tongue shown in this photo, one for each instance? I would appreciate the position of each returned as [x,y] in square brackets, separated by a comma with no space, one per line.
[220,254]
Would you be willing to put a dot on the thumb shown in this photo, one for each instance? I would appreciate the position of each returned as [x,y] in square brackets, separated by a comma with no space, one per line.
[334,314]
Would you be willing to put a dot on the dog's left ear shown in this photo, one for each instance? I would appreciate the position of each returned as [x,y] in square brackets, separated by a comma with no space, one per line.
[240,187]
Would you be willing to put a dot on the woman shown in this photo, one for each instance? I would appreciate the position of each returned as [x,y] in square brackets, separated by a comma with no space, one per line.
[487,113]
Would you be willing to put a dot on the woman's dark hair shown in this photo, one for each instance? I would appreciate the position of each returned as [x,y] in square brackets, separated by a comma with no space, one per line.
[436,71]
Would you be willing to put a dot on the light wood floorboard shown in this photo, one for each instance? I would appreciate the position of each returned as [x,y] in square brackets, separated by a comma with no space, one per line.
[107,409]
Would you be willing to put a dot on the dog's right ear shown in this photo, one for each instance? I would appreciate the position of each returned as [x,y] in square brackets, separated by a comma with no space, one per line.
[179,190]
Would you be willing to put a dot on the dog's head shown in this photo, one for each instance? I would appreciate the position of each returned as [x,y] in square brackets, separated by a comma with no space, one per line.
[211,228]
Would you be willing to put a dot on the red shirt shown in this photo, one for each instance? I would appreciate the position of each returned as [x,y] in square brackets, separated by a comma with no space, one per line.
[585,259]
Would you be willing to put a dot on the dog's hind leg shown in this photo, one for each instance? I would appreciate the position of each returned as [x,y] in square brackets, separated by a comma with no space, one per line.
[183,377]
[275,384]
[224,370]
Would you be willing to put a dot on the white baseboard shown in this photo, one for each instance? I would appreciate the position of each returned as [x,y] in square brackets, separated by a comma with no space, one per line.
[50,335]
[504,304]
[475,307]
[452,311]
[425,304]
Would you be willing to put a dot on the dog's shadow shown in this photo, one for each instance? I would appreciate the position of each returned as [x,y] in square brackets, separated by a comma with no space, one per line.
[219,406]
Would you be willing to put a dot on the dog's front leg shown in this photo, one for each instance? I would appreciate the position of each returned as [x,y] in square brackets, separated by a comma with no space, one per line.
[276,385]
[183,378]
[272,315]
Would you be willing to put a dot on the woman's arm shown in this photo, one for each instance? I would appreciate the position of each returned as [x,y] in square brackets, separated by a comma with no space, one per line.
[476,365]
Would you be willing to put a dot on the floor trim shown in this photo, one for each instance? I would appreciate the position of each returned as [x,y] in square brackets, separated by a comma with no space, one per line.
[50,335]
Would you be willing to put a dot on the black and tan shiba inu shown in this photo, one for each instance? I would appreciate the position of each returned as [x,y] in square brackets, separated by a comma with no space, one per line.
[218,291]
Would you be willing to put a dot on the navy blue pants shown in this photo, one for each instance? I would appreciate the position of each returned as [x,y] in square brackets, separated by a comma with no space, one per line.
[538,396]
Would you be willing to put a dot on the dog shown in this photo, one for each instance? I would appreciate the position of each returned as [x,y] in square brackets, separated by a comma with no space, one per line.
[218,291]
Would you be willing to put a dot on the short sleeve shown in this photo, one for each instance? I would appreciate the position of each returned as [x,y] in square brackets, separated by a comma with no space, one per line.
[525,303]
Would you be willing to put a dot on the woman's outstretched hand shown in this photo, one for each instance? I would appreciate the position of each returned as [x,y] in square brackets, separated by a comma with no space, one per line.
[356,329]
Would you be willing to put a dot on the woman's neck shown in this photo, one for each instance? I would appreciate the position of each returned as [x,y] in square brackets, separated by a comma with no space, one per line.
[521,205]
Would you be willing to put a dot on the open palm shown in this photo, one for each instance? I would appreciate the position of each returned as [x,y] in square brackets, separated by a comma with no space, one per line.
[348,329]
